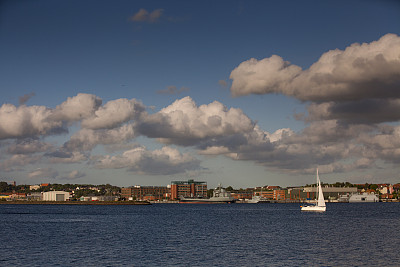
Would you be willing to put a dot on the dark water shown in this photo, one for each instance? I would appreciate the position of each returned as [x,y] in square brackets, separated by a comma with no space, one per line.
[366,234]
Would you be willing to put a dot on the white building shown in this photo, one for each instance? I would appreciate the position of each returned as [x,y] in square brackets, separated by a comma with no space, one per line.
[364,197]
[55,196]
[34,187]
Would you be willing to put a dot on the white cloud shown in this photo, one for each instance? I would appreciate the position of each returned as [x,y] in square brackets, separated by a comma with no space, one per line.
[340,135]
[361,71]
[113,114]
[269,75]
[77,108]
[352,92]
[24,121]
[186,124]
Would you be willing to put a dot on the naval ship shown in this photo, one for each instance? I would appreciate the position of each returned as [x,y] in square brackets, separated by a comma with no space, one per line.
[220,195]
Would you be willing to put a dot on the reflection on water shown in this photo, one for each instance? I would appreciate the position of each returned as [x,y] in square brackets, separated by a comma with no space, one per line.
[199,235]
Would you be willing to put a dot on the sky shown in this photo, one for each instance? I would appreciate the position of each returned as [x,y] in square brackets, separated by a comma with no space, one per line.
[243,93]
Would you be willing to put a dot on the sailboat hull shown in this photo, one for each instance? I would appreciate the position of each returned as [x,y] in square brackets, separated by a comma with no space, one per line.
[313,208]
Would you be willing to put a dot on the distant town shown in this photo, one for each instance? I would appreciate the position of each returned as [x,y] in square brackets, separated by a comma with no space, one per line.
[177,190]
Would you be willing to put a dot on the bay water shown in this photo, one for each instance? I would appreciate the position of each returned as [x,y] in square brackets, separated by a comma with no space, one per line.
[365,234]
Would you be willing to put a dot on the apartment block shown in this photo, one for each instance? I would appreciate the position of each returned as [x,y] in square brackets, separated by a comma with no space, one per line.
[188,188]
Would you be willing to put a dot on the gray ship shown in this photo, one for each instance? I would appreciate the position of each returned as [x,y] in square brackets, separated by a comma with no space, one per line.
[220,195]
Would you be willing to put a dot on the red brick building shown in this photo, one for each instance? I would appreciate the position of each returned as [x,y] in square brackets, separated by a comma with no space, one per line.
[188,188]
[146,192]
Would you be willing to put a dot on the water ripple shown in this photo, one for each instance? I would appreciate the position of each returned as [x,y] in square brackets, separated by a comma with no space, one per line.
[199,235]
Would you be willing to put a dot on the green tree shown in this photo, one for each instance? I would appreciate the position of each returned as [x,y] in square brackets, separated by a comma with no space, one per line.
[4,187]
[373,186]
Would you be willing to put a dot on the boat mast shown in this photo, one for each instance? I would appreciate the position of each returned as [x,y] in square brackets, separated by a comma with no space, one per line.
[317,191]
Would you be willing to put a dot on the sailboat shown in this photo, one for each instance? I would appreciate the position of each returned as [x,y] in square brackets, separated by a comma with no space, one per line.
[320,201]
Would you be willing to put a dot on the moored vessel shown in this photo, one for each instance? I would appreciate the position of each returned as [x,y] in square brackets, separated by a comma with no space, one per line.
[220,195]
[258,199]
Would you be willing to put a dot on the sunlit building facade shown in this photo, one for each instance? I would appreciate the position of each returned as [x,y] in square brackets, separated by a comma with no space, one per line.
[188,188]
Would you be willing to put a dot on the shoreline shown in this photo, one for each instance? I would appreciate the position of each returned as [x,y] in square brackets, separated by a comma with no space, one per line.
[115,203]
[75,202]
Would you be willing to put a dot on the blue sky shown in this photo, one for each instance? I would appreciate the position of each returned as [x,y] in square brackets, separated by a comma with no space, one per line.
[154,53]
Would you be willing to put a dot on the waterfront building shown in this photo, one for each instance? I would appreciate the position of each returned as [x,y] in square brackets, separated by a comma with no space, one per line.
[247,194]
[98,198]
[272,194]
[139,192]
[55,196]
[329,192]
[364,197]
[34,196]
[188,188]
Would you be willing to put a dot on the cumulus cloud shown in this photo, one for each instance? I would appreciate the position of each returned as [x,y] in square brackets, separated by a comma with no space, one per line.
[24,121]
[87,139]
[269,75]
[109,124]
[341,134]
[113,114]
[384,145]
[145,16]
[164,161]
[368,111]
[184,123]
[350,94]
[77,108]
[361,71]
[321,144]
[33,121]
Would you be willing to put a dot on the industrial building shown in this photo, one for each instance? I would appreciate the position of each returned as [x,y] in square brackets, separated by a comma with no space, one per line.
[55,196]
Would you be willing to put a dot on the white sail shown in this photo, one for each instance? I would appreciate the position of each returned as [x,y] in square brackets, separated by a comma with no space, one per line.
[321,200]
